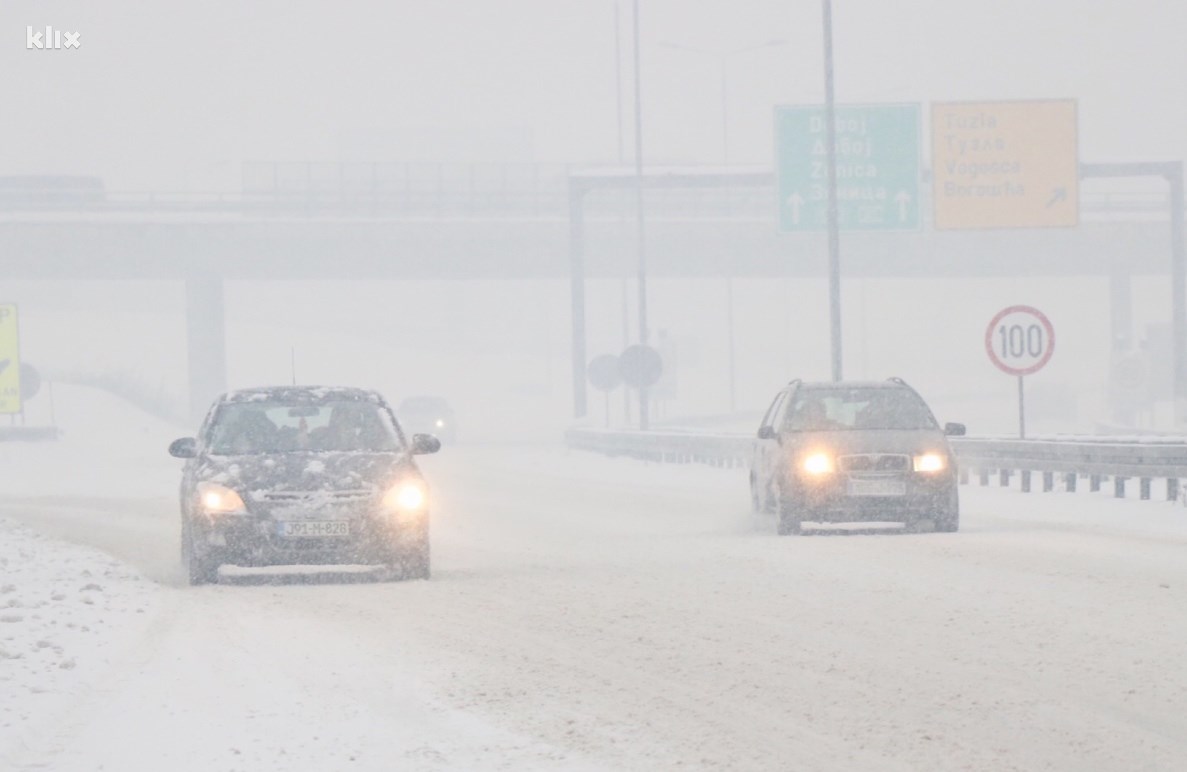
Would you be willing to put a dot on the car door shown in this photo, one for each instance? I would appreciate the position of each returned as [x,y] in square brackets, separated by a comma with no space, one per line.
[766,444]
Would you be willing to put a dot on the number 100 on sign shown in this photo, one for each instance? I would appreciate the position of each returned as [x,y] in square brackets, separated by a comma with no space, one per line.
[1020,340]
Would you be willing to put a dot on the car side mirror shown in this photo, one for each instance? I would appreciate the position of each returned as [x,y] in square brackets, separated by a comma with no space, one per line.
[423,444]
[954,430]
[186,447]
[766,432]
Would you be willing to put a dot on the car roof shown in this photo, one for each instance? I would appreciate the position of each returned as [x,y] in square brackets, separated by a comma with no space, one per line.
[887,385]
[299,394]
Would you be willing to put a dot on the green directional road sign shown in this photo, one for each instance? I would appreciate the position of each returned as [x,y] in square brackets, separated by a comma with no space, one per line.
[877,167]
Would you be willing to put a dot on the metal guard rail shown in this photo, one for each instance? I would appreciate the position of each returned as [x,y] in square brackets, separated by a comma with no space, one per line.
[1097,459]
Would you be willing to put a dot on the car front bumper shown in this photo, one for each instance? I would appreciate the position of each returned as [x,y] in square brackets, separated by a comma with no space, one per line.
[259,541]
[832,501]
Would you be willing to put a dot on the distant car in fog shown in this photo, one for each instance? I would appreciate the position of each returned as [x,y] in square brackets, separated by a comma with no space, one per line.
[303,475]
[854,451]
[431,415]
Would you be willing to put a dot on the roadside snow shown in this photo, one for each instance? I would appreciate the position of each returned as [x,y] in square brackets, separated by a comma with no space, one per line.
[64,611]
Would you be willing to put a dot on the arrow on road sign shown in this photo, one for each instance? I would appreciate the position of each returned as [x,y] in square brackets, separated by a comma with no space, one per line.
[796,201]
[1057,195]
[902,198]
[4,365]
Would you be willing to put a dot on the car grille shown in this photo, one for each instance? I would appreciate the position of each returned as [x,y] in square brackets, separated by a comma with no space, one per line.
[874,463]
[319,497]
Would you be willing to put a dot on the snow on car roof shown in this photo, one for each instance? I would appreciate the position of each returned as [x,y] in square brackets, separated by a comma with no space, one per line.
[300,394]
[853,385]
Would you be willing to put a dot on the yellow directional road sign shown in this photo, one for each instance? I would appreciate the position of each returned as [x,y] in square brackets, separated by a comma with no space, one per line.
[10,361]
[1005,164]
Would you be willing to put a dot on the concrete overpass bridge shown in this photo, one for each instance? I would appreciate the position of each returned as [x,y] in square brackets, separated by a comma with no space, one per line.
[544,222]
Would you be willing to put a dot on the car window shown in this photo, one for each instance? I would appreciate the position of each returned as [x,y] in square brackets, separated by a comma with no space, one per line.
[781,408]
[280,427]
[775,403]
[856,409]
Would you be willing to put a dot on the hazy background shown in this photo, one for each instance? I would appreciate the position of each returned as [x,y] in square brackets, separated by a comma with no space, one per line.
[176,94]
[172,96]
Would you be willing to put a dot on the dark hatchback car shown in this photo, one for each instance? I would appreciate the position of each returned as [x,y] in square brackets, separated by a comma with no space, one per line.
[303,475]
[854,452]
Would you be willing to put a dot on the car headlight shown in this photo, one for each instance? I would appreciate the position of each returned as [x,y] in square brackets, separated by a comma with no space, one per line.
[408,496]
[440,423]
[817,464]
[930,462]
[216,500]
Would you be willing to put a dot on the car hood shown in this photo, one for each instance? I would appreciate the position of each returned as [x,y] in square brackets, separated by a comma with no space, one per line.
[326,471]
[907,441]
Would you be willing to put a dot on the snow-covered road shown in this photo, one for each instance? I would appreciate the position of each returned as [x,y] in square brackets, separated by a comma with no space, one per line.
[589,613]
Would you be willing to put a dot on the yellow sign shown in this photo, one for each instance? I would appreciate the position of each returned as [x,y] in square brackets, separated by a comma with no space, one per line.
[1005,164]
[10,361]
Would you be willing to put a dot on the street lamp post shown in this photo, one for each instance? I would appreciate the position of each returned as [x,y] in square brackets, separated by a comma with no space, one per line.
[723,57]
[644,413]
[834,249]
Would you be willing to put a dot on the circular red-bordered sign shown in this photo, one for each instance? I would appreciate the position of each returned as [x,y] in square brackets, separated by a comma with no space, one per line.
[1020,340]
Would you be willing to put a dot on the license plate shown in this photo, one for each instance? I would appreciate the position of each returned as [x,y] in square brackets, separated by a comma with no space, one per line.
[877,488]
[307,529]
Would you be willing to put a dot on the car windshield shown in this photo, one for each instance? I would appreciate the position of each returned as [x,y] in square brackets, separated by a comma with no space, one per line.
[284,427]
[842,409]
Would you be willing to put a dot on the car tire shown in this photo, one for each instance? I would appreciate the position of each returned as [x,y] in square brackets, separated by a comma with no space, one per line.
[789,521]
[411,563]
[198,570]
[947,519]
[418,564]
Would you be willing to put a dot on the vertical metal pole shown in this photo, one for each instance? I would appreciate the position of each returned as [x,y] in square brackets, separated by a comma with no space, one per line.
[834,257]
[644,411]
[626,313]
[618,80]
[1178,290]
[729,279]
[53,415]
[206,346]
[577,293]
[725,132]
[1021,411]
[729,324]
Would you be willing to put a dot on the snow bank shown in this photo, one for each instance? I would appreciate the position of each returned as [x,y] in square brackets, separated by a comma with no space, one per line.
[64,612]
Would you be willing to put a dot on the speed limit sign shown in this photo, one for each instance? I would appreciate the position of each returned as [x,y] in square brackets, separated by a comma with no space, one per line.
[1020,340]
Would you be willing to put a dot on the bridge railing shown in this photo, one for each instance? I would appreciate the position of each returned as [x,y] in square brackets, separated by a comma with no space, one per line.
[1068,459]
[448,190]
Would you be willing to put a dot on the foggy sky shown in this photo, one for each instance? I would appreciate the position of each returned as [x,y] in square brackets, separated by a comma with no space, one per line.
[177,95]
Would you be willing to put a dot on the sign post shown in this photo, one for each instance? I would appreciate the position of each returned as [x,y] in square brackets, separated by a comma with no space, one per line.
[1020,340]
[604,376]
[10,360]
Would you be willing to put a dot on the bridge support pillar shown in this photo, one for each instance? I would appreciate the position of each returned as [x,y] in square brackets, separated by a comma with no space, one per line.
[206,344]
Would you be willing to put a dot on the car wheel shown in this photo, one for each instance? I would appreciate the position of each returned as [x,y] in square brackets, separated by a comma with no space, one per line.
[198,570]
[790,517]
[418,564]
[947,519]
[411,563]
